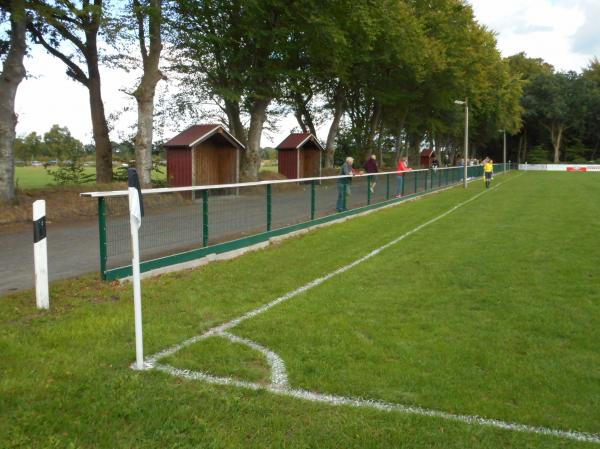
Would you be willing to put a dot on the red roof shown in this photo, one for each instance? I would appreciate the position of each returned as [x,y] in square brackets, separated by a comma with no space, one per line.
[199,133]
[427,153]
[296,140]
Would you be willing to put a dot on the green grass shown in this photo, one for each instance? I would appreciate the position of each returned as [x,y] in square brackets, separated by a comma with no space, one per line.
[492,311]
[220,357]
[28,178]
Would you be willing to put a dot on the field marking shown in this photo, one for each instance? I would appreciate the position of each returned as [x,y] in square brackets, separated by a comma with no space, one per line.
[279,383]
[150,361]
[378,405]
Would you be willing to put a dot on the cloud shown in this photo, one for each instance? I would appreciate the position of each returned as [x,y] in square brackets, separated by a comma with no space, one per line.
[587,38]
[553,30]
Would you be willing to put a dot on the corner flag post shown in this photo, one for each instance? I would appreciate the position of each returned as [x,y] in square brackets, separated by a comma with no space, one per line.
[136,212]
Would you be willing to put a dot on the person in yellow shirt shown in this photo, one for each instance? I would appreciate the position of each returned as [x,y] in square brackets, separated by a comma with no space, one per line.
[488,172]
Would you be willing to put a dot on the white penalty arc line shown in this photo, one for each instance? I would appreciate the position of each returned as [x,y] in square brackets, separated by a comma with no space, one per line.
[280,387]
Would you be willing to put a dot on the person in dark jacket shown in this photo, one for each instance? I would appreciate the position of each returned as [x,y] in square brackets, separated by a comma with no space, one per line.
[371,167]
[343,185]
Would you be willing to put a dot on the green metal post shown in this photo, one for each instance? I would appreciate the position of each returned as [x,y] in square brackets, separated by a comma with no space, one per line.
[205,218]
[426,181]
[344,192]
[103,238]
[269,206]
[387,188]
[313,198]
[403,184]
[368,190]
[446,181]
[416,181]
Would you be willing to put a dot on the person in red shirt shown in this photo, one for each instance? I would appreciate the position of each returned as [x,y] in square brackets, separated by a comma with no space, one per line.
[402,168]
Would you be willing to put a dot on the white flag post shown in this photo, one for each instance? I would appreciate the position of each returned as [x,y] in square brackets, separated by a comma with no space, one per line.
[40,255]
[136,211]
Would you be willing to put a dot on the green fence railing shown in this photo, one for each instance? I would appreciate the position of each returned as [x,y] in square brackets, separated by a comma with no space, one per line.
[183,224]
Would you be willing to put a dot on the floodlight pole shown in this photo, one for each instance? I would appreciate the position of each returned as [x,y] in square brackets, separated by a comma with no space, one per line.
[466,156]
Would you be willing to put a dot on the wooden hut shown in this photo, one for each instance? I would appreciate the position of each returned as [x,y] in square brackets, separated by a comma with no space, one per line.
[299,156]
[203,155]
[426,157]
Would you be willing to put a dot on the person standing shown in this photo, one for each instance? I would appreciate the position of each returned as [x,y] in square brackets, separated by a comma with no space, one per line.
[488,172]
[343,185]
[371,167]
[402,168]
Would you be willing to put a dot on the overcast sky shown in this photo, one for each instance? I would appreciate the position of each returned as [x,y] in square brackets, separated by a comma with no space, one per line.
[562,32]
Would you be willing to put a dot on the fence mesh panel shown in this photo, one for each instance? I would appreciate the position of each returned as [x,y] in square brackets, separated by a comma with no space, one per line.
[175,222]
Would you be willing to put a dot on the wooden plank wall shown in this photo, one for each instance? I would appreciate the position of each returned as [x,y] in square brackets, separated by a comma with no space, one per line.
[215,163]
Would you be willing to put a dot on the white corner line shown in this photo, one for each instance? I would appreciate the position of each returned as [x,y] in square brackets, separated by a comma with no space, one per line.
[379,405]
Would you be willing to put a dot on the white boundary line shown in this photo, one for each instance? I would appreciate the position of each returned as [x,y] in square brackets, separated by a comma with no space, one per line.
[279,381]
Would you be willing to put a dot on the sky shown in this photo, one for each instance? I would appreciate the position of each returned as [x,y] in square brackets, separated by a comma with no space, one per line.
[562,32]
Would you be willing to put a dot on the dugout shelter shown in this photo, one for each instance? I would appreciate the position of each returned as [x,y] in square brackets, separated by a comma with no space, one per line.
[299,156]
[203,155]
[426,157]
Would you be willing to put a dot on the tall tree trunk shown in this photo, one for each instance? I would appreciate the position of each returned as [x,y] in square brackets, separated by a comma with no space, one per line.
[338,112]
[88,20]
[100,131]
[144,94]
[232,108]
[251,159]
[373,126]
[398,143]
[144,135]
[380,142]
[12,74]
[556,134]
[308,120]
[525,146]
[300,122]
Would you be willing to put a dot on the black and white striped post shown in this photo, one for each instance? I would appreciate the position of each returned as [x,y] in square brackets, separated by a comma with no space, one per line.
[136,212]
[40,255]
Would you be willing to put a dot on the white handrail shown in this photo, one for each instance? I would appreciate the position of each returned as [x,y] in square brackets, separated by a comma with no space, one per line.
[116,193]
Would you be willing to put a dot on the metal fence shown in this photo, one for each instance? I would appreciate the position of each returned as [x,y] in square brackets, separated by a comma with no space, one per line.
[187,223]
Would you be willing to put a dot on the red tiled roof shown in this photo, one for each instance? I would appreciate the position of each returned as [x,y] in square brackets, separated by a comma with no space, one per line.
[295,140]
[197,134]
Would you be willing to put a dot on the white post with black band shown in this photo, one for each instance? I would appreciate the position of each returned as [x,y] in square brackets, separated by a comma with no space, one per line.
[136,212]
[40,255]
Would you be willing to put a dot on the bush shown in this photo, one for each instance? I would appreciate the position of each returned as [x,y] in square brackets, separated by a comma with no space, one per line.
[71,172]
[539,155]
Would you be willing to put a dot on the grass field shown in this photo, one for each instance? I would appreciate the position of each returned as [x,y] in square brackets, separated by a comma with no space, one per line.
[492,310]
[27,178]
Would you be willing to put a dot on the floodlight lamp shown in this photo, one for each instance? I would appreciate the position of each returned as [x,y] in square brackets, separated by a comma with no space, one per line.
[459,102]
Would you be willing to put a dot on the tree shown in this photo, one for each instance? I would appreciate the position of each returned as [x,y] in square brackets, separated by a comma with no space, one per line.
[30,147]
[527,70]
[554,101]
[148,15]
[13,72]
[591,136]
[61,145]
[242,51]
[58,21]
